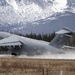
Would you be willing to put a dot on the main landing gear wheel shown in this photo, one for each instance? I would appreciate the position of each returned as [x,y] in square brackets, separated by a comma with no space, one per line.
[15,54]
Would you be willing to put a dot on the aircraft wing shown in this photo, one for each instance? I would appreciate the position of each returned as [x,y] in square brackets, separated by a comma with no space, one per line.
[10,41]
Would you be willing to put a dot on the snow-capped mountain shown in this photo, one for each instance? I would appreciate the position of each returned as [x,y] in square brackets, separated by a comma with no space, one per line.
[37,16]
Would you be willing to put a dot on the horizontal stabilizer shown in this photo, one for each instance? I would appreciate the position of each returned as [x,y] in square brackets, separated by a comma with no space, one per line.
[65,31]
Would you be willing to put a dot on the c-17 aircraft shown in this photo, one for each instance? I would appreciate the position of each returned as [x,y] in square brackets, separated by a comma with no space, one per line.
[19,45]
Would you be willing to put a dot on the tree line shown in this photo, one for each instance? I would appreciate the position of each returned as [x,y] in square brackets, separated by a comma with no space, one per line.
[44,37]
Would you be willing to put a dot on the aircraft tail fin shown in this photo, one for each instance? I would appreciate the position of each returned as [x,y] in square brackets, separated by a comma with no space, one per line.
[62,36]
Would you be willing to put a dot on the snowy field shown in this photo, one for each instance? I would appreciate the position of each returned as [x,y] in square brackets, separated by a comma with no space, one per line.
[69,54]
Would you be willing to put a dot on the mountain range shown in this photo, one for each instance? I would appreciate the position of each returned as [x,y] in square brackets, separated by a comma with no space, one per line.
[36,16]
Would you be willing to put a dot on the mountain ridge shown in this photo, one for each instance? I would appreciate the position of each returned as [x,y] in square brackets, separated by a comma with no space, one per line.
[42,16]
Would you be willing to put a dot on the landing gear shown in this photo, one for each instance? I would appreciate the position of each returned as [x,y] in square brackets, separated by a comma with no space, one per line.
[15,51]
[15,54]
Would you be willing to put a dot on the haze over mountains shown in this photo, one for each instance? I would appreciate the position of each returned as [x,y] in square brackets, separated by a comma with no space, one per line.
[37,16]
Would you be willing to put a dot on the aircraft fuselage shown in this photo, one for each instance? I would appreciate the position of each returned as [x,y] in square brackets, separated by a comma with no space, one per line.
[32,47]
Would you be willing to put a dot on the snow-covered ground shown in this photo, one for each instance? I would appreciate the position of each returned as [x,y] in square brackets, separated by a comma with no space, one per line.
[69,54]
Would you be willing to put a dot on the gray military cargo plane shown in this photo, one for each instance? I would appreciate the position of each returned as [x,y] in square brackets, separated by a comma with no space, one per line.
[19,45]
